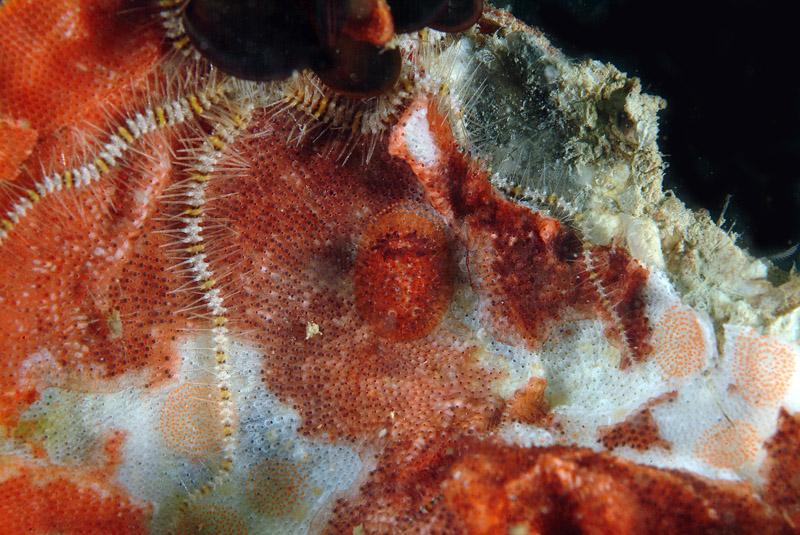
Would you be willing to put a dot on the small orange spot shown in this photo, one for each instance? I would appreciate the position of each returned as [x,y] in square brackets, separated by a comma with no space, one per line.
[528,404]
[679,345]
[212,520]
[275,488]
[191,422]
[728,445]
[762,367]
[403,275]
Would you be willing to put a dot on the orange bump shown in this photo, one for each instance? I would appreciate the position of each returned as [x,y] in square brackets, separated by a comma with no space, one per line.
[528,404]
[728,444]
[191,421]
[762,367]
[212,520]
[276,488]
[403,274]
[679,345]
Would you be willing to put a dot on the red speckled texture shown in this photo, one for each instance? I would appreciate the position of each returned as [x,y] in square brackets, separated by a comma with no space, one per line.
[38,497]
[572,491]
[299,219]
[96,51]
[639,430]
[530,271]
[782,469]
[93,254]
[284,239]
[16,143]
[486,488]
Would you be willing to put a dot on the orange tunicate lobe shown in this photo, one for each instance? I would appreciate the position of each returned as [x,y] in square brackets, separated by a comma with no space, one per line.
[370,21]
[403,276]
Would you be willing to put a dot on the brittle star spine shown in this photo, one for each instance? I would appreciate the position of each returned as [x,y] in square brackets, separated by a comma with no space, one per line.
[119,141]
[206,158]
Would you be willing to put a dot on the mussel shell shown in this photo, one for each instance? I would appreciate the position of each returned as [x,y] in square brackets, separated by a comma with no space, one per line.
[413,15]
[253,39]
[360,69]
[457,15]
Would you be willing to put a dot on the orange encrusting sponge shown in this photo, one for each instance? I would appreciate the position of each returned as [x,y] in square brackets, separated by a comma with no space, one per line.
[73,61]
[40,499]
[91,295]
[16,143]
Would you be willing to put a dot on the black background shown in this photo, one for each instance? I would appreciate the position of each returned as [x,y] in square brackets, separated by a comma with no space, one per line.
[729,73]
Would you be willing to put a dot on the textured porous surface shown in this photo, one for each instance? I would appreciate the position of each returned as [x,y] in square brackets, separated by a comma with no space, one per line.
[464,306]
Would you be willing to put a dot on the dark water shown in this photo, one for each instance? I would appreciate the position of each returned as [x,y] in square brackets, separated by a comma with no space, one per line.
[732,125]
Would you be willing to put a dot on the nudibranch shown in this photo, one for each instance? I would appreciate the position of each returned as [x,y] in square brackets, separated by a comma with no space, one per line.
[444,296]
